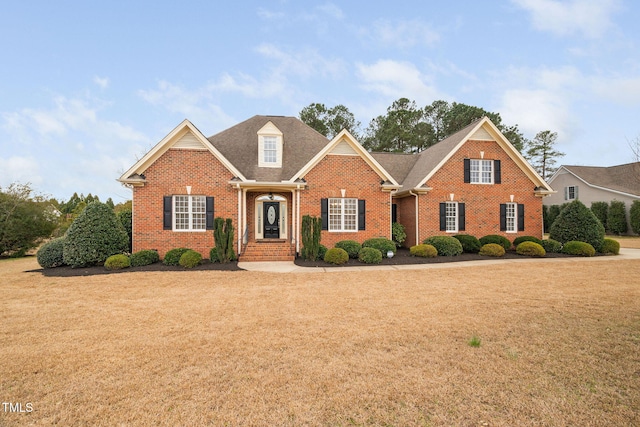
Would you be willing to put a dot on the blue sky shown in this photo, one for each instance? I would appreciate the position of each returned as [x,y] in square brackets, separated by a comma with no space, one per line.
[87,87]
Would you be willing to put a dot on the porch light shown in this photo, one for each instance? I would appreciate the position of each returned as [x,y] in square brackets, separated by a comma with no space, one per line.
[389,254]
[270,196]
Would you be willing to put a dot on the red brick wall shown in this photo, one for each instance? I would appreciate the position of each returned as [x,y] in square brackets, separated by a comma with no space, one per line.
[353,174]
[482,202]
[169,175]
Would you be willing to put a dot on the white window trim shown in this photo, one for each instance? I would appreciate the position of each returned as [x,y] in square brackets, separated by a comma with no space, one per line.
[569,187]
[515,218]
[342,215]
[480,163]
[190,214]
[269,130]
[455,217]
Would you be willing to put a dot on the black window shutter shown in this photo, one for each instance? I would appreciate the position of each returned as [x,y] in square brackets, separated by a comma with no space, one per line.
[520,217]
[467,171]
[461,217]
[497,172]
[209,213]
[362,214]
[167,214]
[503,217]
[324,213]
[443,217]
[394,212]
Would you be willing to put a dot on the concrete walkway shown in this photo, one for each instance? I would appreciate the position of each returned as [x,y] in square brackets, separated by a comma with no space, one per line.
[290,267]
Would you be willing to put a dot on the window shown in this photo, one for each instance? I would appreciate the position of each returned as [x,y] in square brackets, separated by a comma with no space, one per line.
[451,217]
[270,146]
[571,192]
[511,215]
[270,150]
[189,213]
[481,171]
[343,214]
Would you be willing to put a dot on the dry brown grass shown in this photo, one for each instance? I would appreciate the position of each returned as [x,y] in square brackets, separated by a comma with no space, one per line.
[632,242]
[560,345]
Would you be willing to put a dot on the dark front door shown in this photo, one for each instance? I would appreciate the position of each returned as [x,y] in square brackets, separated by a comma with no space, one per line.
[271,220]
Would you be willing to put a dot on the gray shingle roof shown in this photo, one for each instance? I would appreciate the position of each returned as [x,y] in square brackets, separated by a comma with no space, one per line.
[624,178]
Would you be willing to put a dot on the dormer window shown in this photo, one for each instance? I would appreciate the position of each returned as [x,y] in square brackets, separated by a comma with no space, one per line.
[269,146]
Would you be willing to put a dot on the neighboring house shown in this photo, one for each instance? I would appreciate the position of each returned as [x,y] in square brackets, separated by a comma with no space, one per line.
[596,184]
[266,173]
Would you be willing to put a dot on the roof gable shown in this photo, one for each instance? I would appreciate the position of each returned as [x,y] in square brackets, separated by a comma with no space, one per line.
[620,178]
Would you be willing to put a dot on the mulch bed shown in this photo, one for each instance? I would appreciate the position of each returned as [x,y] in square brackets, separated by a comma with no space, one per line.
[67,271]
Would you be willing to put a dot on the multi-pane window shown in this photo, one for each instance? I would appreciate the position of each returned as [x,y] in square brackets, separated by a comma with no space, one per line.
[451,217]
[571,192]
[270,149]
[189,213]
[343,214]
[481,171]
[512,214]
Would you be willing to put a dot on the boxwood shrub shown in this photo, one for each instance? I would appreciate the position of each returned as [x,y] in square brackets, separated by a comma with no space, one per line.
[470,244]
[322,251]
[144,257]
[552,246]
[521,239]
[190,259]
[492,249]
[117,262]
[445,245]
[529,248]
[497,239]
[173,256]
[610,246]
[351,246]
[576,222]
[336,256]
[381,244]
[575,247]
[370,256]
[425,251]
[50,254]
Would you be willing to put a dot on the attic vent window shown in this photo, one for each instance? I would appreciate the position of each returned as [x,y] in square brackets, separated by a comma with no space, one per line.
[270,146]
[270,150]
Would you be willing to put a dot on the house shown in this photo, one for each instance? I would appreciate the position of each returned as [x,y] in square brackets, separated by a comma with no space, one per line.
[267,172]
[596,184]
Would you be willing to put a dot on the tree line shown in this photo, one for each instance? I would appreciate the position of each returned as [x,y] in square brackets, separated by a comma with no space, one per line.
[408,128]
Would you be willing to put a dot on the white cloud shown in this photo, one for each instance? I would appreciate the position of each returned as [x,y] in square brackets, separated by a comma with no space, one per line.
[332,10]
[589,18]
[396,79]
[399,34]
[103,82]
[19,169]
[620,90]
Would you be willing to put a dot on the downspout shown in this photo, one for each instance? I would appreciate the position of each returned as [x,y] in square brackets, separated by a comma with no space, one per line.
[297,219]
[239,219]
[417,222]
[244,216]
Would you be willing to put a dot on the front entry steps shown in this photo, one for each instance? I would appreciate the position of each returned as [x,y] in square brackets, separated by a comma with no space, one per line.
[268,250]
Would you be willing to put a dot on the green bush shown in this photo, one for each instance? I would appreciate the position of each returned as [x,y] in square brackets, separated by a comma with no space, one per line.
[126,219]
[425,251]
[223,232]
[492,249]
[381,244]
[336,256]
[610,246]
[50,254]
[213,255]
[117,262]
[190,259]
[521,239]
[94,236]
[173,256]
[470,244]
[311,235]
[497,239]
[530,248]
[617,218]
[445,245]
[634,216]
[351,246]
[552,214]
[322,251]
[370,256]
[575,247]
[552,246]
[600,210]
[577,222]
[144,257]
[398,233]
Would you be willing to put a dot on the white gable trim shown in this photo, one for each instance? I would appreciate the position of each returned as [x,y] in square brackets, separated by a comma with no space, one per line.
[168,142]
[345,136]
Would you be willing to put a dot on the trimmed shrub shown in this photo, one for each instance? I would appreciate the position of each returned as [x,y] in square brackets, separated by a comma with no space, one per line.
[492,249]
[600,210]
[634,216]
[398,233]
[94,236]
[530,248]
[610,246]
[521,239]
[213,255]
[50,255]
[144,257]
[311,234]
[617,218]
[126,219]
[470,244]
[223,232]
[117,262]
[336,256]
[445,245]
[497,239]
[552,246]
[575,247]
[577,222]
[351,246]
[381,244]
[173,256]
[322,251]
[425,251]
[190,259]
[370,256]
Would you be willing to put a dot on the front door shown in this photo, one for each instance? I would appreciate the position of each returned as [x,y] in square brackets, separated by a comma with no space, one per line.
[271,217]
